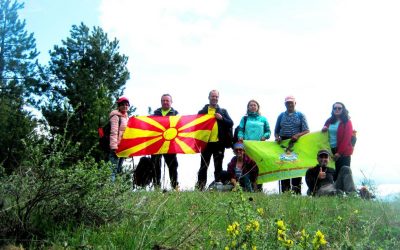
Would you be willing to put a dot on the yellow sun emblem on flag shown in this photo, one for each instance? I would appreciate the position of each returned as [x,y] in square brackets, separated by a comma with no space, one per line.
[147,135]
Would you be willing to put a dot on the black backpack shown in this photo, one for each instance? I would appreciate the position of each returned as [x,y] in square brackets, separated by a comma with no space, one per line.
[235,134]
[144,173]
[104,135]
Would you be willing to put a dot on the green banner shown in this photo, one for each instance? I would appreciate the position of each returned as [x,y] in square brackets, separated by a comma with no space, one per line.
[286,160]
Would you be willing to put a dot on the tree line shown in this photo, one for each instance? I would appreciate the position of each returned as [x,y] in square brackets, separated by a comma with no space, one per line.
[73,93]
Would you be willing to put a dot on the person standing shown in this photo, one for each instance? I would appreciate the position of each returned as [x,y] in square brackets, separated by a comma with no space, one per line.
[118,120]
[320,181]
[340,130]
[254,126]
[215,148]
[170,159]
[291,124]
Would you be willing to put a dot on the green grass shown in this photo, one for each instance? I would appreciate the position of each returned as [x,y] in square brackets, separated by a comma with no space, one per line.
[199,220]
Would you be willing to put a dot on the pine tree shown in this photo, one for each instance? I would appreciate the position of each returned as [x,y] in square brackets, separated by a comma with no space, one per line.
[18,66]
[88,74]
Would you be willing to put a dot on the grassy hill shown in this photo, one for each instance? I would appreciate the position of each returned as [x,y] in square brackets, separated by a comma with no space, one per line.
[236,220]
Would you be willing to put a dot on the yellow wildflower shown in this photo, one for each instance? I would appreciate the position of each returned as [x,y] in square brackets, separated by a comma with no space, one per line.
[233,243]
[233,229]
[288,243]
[281,235]
[281,225]
[356,211]
[256,225]
[319,240]
[304,235]
[253,248]
[244,246]
[260,211]
[226,248]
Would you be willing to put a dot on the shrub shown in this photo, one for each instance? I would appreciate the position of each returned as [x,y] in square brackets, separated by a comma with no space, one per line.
[44,192]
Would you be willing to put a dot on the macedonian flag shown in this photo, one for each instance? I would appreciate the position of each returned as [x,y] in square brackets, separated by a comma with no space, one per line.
[147,135]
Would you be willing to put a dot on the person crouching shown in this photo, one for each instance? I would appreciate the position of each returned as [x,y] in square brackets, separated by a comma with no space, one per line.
[243,171]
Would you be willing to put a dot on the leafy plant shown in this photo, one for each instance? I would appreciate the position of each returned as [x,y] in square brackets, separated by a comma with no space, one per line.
[43,193]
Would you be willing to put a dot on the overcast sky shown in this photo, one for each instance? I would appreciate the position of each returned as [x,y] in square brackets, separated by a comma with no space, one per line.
[319,51]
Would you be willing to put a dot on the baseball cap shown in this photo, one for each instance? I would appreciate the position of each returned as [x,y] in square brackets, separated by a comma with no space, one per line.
[123,99]
[323,152]
[290,99]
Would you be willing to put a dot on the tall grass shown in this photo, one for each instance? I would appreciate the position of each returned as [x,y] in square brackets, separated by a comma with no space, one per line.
[203,220]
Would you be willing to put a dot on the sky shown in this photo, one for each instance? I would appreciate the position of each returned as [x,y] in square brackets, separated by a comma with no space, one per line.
[319,51]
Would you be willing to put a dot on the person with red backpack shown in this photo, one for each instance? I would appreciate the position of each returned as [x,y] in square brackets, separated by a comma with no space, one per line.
[118,121]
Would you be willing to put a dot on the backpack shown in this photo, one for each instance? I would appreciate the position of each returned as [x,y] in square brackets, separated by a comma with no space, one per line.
[144,173]
[354,138]
[235,134]
[104,135]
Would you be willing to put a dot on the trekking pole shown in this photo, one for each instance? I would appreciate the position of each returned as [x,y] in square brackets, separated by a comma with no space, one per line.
[163,181]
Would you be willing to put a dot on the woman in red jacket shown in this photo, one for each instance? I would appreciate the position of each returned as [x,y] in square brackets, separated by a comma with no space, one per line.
[340,131]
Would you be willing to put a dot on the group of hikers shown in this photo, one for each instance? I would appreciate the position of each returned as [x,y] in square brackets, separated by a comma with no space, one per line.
[243,171]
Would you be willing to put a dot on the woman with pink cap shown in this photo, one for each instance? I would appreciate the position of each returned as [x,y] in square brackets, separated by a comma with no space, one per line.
[118,121]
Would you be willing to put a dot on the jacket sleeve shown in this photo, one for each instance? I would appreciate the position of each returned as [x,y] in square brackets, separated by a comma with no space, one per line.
[344,145]
[311,179]
[114,121]
[241,128]
[278,124]
[304,123]
[267,130]
[226,118]
[231,169]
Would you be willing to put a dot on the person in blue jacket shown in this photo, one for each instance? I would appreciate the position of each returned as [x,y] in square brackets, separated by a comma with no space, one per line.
[254,127]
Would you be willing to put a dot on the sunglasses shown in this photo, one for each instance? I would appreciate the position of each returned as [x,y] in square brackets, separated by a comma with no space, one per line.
[337,108]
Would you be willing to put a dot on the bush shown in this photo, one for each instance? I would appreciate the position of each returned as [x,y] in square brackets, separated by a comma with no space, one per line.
[45,193]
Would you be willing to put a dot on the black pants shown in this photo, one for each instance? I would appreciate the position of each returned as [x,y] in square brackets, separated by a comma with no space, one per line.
[172,163]
[216,150]
[339,163]
[293,184]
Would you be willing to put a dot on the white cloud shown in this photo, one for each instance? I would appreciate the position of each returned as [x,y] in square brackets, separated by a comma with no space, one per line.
[336,51]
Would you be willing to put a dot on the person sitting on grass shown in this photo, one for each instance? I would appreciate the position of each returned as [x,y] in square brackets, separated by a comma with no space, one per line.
[319,179]
[242,170]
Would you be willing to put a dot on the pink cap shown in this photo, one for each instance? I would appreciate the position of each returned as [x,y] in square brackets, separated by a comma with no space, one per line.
[122,99]
[290,99]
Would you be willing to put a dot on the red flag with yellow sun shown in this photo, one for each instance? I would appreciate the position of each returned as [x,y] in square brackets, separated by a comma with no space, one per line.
[147,135]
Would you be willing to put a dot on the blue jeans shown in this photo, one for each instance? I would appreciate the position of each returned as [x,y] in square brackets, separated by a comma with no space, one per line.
[116,167]
[245,183]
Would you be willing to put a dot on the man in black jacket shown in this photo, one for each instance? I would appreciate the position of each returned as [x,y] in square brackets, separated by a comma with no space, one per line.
[170,159]
[319,179]
[217,148]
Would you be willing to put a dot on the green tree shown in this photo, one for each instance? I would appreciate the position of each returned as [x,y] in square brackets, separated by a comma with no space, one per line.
[18,70]
[87,75]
